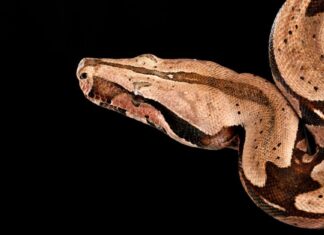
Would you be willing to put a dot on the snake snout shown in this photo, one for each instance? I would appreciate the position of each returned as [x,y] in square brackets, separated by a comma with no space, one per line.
[81,70]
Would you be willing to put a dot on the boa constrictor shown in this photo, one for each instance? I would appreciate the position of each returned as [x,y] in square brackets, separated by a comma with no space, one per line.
[205,105]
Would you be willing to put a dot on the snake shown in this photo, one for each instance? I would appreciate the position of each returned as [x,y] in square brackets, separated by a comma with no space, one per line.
[277,129]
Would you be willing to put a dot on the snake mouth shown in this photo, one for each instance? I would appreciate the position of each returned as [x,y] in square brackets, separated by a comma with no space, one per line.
[103,92]
[113,96]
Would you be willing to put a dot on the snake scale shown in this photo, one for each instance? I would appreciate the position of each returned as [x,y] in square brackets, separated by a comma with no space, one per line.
[277,130]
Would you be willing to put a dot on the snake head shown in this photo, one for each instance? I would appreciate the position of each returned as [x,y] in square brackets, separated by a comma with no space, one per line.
[140,89]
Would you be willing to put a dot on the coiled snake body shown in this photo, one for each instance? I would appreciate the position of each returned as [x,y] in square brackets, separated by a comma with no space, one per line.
[279,133]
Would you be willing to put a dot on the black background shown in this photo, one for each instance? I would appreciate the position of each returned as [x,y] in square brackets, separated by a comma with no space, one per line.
[100,170]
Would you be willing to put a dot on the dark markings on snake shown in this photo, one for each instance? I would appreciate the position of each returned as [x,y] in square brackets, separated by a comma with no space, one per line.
[309,115]
[315,7]
[284,184]
[310,140]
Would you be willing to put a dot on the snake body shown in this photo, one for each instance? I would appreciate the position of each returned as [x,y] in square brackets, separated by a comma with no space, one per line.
[278,130]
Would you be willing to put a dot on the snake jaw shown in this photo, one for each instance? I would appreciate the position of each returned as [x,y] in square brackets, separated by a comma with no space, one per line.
[117,98]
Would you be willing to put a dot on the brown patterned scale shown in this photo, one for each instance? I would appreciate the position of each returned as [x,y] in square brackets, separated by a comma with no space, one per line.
[205,105]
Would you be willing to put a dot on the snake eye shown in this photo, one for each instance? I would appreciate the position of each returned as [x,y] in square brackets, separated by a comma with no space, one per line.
[83,76]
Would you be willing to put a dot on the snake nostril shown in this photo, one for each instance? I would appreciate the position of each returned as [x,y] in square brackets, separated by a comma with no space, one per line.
[83,76]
